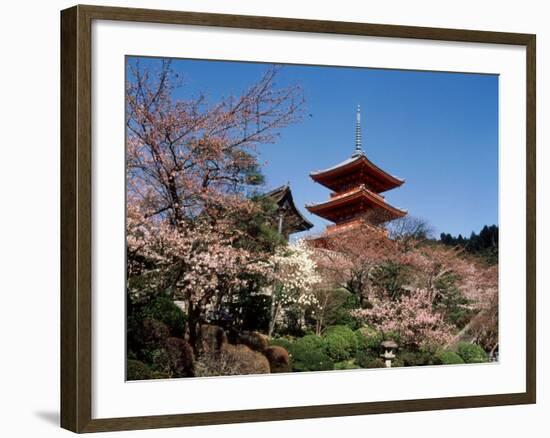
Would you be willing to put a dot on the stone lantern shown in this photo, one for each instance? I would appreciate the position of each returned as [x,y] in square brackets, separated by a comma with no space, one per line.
[388,352]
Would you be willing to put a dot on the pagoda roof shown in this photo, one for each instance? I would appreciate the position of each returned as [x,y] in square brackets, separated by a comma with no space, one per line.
[282,196]
[332,208]
[379,180]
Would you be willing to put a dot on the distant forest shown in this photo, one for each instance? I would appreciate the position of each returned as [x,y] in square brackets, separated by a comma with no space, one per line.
[484,244]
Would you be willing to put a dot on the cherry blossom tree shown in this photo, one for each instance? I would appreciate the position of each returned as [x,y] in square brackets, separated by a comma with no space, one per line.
[409,231]
[437,280]
[350,258]
[412,317]
[476,281]
[190,167]
[294,274]
[187,157]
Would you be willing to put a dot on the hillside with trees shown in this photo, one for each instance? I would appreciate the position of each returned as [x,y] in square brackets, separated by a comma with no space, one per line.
[484,244]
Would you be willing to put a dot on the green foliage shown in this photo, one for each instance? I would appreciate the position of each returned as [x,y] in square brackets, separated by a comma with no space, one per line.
[342,303]
[154,338]
[163,309]
[292,325]
[259,229]
[280,342]
[346,365]
[391,277]
[308,354]
[368,347]
[416,358]
[447,357]
[250,312]
[147,338]
[137,370]
[254,175]
[342,330]
[364,358]
[310,342]
[340,343]
[452,302]
[484,244]
[471,353]
[149,322]
[337,348]
[392,336]
[311,360]
[368,339]
[397,362]
[373,362]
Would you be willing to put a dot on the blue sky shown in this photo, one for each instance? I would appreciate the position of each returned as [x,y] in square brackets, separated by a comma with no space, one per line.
[438,131]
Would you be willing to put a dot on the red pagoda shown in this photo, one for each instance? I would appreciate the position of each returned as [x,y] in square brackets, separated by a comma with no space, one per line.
[357,184]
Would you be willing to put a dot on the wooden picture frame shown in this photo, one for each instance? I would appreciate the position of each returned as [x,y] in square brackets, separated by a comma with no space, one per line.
[76,217]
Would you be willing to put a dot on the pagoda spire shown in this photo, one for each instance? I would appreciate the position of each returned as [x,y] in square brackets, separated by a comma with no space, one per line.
[356,185]
[358,148]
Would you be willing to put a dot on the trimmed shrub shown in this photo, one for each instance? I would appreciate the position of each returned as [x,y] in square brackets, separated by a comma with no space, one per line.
[377,362]
[346,365]
[137,370]
[232,360]
[179,358]
[368,339]
[471,353]
[280,342]
[364,357]
[148,340]
[149,324]
[213,337]
[309,342]
[163,309]
[308,354]
[153,331]
[396,363]
[311,360]
[254,340]
[343,331]
[340,343]
[279,361]
[416,358]
[337,348]
[173,358]
[447,357]
[245,360]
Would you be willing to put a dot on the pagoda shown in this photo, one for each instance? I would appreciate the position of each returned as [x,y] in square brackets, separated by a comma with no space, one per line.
[357,185]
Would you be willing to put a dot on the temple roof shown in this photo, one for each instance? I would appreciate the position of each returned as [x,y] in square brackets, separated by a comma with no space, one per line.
[282,196]
[359,168]
[359,199]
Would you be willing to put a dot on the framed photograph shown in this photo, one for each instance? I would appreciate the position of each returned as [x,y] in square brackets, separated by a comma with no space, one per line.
[269,219]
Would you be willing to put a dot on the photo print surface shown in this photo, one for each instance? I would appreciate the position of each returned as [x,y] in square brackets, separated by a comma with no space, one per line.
[298,218]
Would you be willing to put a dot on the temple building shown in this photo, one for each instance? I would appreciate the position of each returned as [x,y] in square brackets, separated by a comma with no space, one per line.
[288,219]
[357,185]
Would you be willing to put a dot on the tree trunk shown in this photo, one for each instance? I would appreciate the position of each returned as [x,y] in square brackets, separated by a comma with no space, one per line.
[275,307]
[194,321]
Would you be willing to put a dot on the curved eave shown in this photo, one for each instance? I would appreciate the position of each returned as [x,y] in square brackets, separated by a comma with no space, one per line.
[324,209]
[327,176]
[283,193]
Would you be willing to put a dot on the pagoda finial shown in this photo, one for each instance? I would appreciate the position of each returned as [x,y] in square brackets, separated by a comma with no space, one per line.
[358,149]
